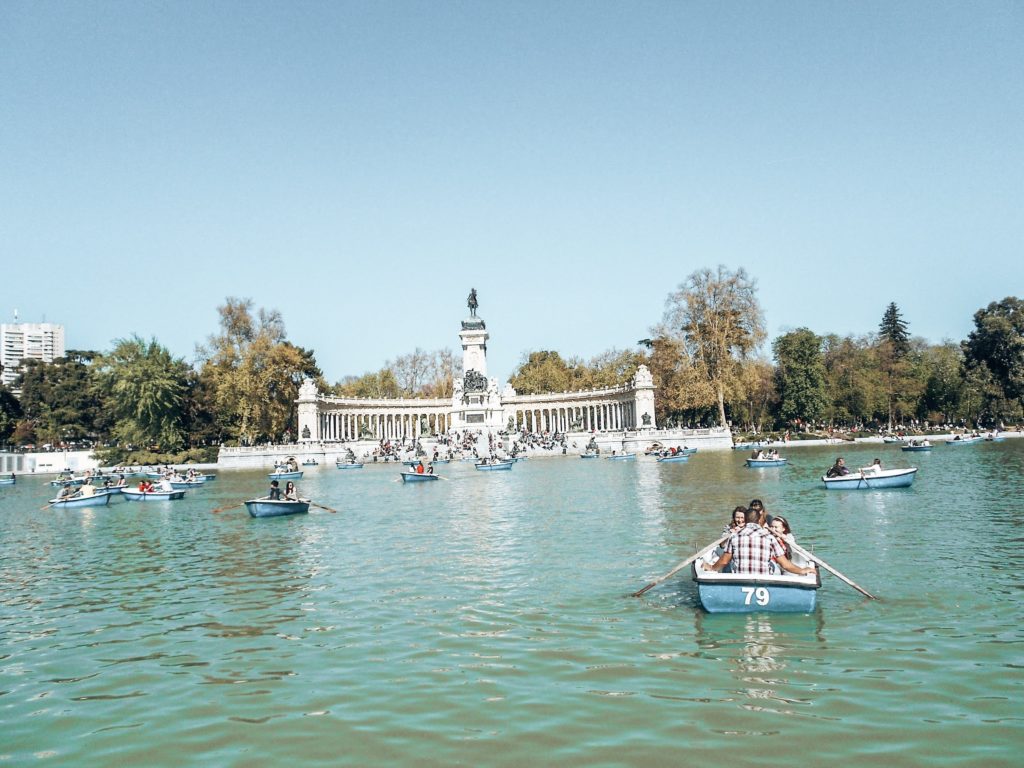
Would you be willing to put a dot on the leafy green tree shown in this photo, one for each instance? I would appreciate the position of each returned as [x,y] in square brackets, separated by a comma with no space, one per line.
[61,400]
[997,341]
[800,376]
[541,372]
[718,320]
[10,413]
[252,373]
[380,384]
[944,368]
[854,381]
[147,394]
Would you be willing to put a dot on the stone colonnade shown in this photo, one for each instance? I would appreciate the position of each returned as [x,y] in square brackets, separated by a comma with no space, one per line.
[343,419]
[566,417]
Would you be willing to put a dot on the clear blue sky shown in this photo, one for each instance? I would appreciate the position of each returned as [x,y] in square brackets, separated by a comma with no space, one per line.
[360,166]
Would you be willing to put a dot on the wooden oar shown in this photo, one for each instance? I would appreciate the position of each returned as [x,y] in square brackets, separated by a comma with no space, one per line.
[683,564]
[321,506]
[800,550]
[231,506]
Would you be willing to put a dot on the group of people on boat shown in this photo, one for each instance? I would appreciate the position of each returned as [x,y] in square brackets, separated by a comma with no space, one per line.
[839,469]
[420,469]
[290,492]
[761,454]
[758,543]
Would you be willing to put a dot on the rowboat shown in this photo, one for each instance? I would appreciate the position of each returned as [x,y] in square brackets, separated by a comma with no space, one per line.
[441,461]
[994,439]
[267,508]
[520,458]
[184,485]
[310,463]
[742,446]
[917,447]
[285,475]
[98,499]
[892,439]
[208,478]
[6,481]
[856,481]
[415,477]
[494,466]
[687,451]
[761,463]
[622,457]
[965,440]
[67,481]
[672,459]
[349,465]
[133,494]
[588,455]
[747,593]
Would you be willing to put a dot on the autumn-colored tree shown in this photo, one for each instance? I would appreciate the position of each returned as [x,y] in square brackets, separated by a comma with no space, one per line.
[716,317]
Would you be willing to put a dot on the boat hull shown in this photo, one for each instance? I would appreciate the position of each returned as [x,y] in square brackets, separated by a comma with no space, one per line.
[268,508]
[916,448]
[761,463]
[349,466]
[588,455]
[6,481]
[96,500]
[968,441]
[414,477]
[893,478]
[498,467]
[674,459]
[741,593]
[285,475]
[152,495]
[186,484]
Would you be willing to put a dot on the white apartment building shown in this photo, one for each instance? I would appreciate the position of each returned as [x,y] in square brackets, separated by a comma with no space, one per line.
[25,341]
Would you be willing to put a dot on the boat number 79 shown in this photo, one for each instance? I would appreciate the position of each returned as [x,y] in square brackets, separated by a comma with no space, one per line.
[760,594]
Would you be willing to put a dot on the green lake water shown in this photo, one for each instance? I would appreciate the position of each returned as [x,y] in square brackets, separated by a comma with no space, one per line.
[486,620]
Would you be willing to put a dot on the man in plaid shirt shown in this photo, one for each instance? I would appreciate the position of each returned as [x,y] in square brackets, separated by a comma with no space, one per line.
[753,548]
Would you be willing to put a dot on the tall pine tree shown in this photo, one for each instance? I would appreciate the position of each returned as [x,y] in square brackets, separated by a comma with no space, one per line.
[894,330]
[894,344]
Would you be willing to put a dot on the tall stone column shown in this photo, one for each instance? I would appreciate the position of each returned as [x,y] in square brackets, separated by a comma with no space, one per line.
[643,395]
[309,421]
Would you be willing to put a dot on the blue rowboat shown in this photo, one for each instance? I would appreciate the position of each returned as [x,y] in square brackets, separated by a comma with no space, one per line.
[184,485]
[761,463]
[494,466]
[520,458]
[207,478]
[137,495]
[441,461]
[742,446]
[995,439]
[622,457]
[268,508]
[415,477]
[98,499]
[671,459]
[414,462]
[588,455]
[285,475]
[748,593]
[855,481]
[892,439]
[687,451]
[70,481]
[310,463]
[10,481]
[350,465]
[916,448]
[965,441]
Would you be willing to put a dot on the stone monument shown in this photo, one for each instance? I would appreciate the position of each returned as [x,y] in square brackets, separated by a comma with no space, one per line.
[475,400]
